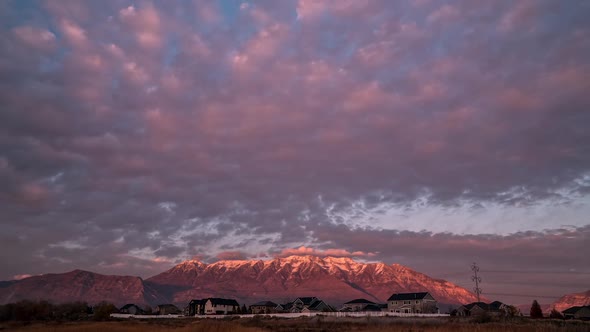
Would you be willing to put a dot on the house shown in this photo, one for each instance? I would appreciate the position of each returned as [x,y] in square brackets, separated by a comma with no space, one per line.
[373,307]
[284,307]
[167,309]
[309,304]
[196,307]
[302,302]
[132,309]
[263,307]
[415,303]
[357,305]
[217,306]
[495,308]
[582,313]
[318,306]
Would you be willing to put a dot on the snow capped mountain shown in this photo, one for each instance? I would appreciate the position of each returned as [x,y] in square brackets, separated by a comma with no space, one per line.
[333,279]
[572,300]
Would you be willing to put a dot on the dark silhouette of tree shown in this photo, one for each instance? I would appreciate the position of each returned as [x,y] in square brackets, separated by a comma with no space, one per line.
[555,314]
[244,309]
[103,310]
[536,311]
[511,311]
[148,310]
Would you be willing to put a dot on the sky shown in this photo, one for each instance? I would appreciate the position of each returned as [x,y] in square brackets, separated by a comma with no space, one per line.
[138,134]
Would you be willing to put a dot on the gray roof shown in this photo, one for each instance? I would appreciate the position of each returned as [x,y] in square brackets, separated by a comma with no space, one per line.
[219,301]
[573,310]
[306,300]
[359,301]
[264,304]
[407,296]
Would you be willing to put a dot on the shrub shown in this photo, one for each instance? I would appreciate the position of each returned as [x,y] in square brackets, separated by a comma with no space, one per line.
[103,310]
[555,314]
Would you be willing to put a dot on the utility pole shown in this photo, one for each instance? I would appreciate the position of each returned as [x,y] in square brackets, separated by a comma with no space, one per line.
[477,279]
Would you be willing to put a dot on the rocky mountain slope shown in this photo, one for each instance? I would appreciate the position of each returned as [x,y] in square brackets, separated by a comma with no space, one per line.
[572,300]
[80,285]
[335,280]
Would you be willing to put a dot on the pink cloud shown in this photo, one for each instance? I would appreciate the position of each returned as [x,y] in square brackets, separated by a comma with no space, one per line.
[75,34]
[444,15]
[146,24]
[231,255]
[515,99]
[366,97]
[308,9]
[261,47]
[521,16]
[21,276]
[41,39]
[33,193]
[207,11]
[306,251]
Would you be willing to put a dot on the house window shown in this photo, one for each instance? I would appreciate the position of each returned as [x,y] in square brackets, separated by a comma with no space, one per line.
[417,302]
[395,302]
[406,302]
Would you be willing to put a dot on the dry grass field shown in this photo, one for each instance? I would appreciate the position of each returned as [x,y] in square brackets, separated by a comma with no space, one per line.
[304,324]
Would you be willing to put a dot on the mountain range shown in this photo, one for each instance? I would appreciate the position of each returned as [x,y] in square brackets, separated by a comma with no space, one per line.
[572,300]
[335,280]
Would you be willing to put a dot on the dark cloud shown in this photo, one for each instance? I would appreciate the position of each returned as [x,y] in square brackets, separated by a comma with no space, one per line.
[134,135]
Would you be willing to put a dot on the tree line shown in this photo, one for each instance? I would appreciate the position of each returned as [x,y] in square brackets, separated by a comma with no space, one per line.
[46,311]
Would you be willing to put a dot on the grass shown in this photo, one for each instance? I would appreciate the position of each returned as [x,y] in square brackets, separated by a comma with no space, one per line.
[305,324]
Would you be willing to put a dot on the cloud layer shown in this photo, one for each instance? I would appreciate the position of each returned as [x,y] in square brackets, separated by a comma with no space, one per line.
[137,134]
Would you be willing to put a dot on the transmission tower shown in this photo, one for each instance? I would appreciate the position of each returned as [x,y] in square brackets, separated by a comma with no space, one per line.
[477,280]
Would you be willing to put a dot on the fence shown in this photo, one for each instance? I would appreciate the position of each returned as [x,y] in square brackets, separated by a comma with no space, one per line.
[146,316]
[290,315]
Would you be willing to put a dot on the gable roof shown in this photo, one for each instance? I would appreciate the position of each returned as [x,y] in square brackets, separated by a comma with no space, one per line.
[359,301]
[264,304]
[306,300]
[203,301]
[315,304]
[494,306]
[219,301]
[407,296]
[573,310]
[129,305]
[285,306]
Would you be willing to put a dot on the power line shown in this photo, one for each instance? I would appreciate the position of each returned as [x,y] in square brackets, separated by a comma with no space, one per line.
[525,295]
[477,279]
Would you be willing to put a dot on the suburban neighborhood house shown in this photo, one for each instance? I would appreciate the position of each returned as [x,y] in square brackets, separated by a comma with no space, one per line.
[415,303]
[359,305]
[131,309]
[263,307]
[577,313]
[217,306]
[167,309]
[495,308]
[304,304]
[196,307]
[212,306]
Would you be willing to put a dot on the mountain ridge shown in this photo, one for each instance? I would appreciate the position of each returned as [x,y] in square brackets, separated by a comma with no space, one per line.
[334,279]
[572,300]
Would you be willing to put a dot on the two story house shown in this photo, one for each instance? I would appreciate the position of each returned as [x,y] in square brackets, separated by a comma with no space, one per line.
[263,307]
[412,303]
[217,306]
